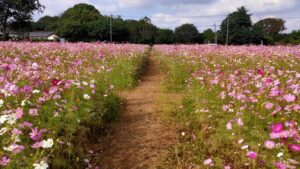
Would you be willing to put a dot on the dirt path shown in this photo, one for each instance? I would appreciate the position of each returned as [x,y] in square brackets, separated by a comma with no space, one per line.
[141,139]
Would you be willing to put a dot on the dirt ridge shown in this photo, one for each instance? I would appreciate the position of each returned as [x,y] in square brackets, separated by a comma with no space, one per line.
[141,138]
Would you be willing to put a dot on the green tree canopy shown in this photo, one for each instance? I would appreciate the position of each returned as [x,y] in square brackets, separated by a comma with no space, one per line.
[47,23]
[270,28]
[208,36]
[165,36]
[17,11]
[76,22]
[239,27]
[187,33]
[141,31]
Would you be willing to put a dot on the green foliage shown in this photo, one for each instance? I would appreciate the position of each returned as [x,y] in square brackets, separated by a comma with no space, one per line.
[142,31]
[12,11]
[269,29]
[239,27]
[164,36]
[46,23]
[187,33]
[208,36]
[76,22]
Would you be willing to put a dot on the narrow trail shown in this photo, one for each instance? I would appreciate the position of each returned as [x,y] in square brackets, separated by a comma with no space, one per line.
[141,138]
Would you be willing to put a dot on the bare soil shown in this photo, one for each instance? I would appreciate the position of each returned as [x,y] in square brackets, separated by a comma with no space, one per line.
[142,137]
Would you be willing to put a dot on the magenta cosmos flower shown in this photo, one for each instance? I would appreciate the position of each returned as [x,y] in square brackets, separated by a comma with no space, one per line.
[277,128]
[252,155]
[294,147]
[35,134]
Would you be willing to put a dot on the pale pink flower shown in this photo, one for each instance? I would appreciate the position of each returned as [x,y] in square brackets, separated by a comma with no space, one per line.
[240,122]
[16,131]
[229,126]
[208,162]
[269,144]
[37,145]
[289,98]
[19,113]
[227,167]
[269,105]
[4,161]
[33,112]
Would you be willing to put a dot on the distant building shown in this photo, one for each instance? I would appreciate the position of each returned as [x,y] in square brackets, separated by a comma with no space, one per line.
[42,35]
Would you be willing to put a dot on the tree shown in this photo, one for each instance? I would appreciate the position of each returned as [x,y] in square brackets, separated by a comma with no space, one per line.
[208,36]
[46,23]
[270,27]
[77,22]
[164,36]
[187,33]
[141,31]
[239,27]
[17,11]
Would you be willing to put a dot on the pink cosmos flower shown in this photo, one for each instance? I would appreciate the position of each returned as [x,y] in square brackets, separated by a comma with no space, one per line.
[240,122]
[26,89]
[280,165]
[227,167]
[294,147]
[37,145]
[55,82]
[17,148]
[252,155]
[289,98]
[26,124]
[16,131]
[269,106]
[33,112]
[269,144]
[277,128]
[229,126]
[4,161]
[260,72]
[208,162]
[35,134]
[19,113]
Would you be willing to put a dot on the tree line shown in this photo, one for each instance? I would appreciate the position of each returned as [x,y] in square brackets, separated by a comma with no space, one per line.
[83,22]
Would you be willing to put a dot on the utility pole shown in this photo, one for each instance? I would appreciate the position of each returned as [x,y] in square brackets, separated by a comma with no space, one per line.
[110,28]
[227,35]
[216,36]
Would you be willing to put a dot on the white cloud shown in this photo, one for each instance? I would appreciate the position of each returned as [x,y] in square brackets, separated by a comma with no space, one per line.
[134,3]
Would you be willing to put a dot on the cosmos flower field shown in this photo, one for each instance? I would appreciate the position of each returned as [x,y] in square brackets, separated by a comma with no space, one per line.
[55,97]
[241,106]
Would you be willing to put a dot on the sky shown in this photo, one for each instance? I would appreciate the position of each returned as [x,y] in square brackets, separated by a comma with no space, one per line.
[172,13]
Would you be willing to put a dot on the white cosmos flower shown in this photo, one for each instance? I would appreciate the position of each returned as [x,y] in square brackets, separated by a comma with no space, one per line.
[47,143]
[41,165]
[3,118]
[244,147]
[35,91]
[280,154]
[11,119]
[86,96]
[24,102]
[85,83]
[3,130]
